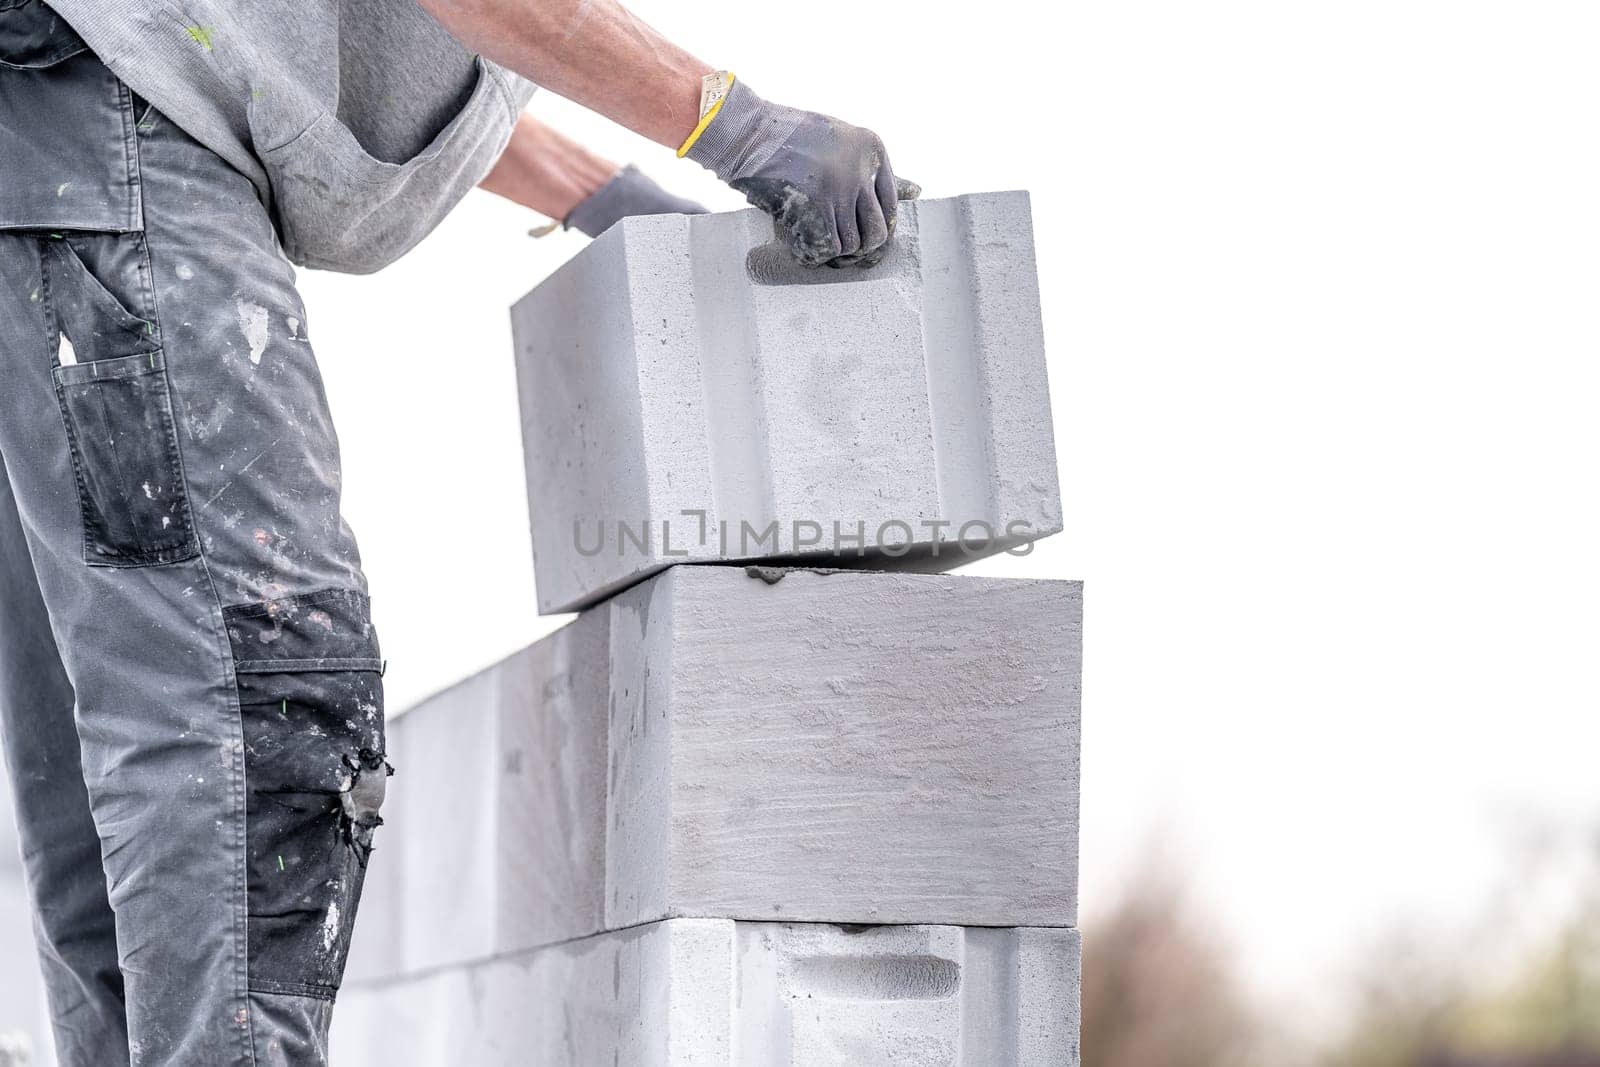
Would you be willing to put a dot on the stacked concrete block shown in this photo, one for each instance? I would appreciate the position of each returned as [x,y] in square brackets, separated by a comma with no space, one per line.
[714,991]
[653,759]
[769,815]
[691,394]
[24,1037]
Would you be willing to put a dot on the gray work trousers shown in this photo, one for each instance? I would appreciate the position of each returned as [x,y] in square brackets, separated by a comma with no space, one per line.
[190,692]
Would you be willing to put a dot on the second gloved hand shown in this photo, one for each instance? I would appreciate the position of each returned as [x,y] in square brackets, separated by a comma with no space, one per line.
[631,192]
[827,182]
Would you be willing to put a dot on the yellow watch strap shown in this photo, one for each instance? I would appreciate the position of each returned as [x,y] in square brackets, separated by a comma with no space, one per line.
[713,94]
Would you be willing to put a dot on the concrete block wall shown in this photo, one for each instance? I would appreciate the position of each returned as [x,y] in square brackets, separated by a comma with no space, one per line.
[767,815]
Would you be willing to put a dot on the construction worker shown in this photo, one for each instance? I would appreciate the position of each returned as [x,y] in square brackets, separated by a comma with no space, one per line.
[190,684]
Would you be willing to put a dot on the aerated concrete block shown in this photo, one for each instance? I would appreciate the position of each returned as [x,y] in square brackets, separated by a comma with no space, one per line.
[842,746]
[22,1004]
[10,846]
[689,393]
[714,993]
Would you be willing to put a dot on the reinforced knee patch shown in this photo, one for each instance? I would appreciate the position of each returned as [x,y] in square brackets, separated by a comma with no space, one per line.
[311,706]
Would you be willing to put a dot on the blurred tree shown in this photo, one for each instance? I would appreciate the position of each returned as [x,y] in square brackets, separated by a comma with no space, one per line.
[1158,991]
[1404,1008]
[1422,1015]
[1553,1006]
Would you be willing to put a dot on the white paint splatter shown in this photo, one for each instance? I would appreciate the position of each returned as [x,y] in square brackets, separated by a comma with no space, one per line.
[253,323]
[61,190]
[148,494]
[330,928]
[294,328]
[185,272]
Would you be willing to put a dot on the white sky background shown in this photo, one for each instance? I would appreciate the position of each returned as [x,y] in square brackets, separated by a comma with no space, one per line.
[1320,298]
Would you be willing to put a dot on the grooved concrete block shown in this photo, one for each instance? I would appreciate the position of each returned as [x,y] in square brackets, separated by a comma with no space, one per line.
[691,394]
[22,1005]
[712,992]
[785,745]
[24,1037]
[10,845]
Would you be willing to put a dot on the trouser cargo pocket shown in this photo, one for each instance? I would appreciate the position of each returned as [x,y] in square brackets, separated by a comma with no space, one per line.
[116,405]
[72,163]
[33,37]
[311,707]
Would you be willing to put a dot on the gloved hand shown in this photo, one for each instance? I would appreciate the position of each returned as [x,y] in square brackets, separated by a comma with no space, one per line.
[827,182]
[631,192]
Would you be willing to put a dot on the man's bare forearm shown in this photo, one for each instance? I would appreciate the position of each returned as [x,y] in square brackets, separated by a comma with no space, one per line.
[592,52]
[829,185]
[544,170]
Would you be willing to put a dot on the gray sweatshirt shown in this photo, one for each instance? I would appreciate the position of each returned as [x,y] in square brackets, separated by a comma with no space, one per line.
[361,122]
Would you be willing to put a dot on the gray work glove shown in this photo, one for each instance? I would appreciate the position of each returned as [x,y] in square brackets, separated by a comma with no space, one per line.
[828,183]
[631,192]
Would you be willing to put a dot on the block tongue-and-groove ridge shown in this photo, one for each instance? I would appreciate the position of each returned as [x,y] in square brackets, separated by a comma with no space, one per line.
[666,351]
[1010,337]
[956,383]
[736,421]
